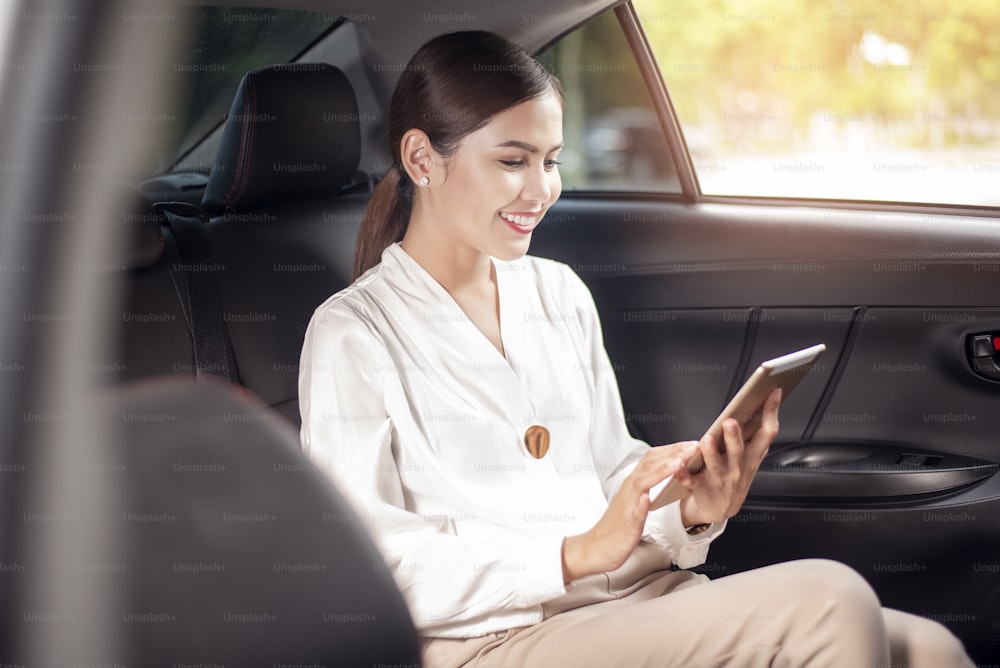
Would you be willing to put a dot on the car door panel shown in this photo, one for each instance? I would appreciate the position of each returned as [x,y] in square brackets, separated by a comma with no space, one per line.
[640,254]
[782,330]
[677,365]
[689,362]
[909,380]
[869,473]
[888,450]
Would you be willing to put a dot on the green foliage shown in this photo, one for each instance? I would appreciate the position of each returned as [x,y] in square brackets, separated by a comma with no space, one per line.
[785,63]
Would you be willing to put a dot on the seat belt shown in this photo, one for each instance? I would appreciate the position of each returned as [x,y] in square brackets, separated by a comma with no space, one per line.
[213,353]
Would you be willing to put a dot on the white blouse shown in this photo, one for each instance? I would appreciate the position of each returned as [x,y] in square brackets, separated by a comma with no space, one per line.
[420,421]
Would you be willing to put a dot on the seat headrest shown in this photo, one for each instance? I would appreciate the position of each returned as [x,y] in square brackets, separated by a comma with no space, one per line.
[292,134]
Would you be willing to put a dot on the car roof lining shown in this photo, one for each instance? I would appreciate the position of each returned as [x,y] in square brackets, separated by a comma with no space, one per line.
[388,32]
[390,24]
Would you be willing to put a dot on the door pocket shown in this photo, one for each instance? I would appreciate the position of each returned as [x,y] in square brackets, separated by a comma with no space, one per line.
[865,473]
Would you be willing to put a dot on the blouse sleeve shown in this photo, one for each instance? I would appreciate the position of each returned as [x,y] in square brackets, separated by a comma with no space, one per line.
[347,431]
[616,452]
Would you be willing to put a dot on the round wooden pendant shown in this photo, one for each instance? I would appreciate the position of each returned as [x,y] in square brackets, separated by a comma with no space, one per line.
[536,439]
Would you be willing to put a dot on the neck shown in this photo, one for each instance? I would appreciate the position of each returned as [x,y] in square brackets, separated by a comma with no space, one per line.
[457,266]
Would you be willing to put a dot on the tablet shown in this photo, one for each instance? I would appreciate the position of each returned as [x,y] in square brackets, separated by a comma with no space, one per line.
[747,406]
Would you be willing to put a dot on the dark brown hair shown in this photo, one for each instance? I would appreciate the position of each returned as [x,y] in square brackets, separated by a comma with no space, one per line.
[451,87]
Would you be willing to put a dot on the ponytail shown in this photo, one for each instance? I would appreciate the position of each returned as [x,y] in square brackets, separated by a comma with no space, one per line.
[385,219]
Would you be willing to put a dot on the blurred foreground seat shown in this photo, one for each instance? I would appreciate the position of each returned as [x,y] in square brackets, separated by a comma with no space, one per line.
[215,544]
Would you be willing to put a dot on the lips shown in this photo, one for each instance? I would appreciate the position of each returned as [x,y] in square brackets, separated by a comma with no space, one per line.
[521,221]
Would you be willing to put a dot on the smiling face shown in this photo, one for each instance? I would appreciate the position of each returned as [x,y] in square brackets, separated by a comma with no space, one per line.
[492,192]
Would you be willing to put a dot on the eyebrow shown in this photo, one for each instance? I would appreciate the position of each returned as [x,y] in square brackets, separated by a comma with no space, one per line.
[525,146]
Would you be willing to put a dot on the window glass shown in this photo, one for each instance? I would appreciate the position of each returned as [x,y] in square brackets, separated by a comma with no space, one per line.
[224,43]
[613,138]
[842,99]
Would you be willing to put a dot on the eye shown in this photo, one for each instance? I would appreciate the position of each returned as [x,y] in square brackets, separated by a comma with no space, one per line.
[513,164]
[552,164]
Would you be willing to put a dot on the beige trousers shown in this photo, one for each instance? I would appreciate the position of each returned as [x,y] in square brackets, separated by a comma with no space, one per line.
[801,614]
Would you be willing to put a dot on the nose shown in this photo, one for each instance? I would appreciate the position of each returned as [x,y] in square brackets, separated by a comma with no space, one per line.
[537,186]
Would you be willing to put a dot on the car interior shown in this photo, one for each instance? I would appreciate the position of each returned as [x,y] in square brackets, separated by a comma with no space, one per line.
[162,512]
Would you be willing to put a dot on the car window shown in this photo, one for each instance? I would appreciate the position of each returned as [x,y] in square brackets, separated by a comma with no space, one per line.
[613,138]
[838,99]
[223,44]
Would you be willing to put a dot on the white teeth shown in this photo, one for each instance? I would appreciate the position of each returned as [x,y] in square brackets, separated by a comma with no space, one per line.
[523,221]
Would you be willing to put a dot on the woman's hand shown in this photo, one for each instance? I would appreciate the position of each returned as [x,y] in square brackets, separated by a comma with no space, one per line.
[716,493]
[719,490]
[609,543]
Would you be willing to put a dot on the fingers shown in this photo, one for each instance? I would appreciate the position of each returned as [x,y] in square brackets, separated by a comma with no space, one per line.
[672,450]
[714,462]
[733,437]
[722,470]
[707,478]
[668,454]
[657,465]
[719,490]
[769,420]
[660,463]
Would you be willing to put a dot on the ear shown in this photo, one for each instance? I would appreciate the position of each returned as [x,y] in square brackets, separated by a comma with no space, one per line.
[419,158]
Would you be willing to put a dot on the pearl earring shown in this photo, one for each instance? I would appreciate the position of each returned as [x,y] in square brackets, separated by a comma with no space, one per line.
[424,181]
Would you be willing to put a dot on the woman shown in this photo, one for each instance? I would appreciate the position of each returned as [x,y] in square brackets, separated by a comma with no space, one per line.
[460,394]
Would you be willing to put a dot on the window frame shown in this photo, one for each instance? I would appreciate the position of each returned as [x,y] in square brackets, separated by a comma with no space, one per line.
[659,94]
[628,19]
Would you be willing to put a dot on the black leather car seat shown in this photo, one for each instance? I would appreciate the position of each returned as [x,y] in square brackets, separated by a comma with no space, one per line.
[275,234]
[279,223]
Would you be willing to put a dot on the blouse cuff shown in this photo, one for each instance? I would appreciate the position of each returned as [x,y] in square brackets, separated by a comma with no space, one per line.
[539,571]
[665,529]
